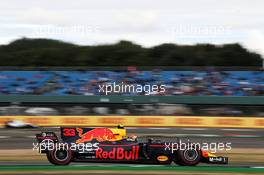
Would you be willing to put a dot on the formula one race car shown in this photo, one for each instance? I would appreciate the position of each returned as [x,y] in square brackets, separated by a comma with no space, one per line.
[112,145]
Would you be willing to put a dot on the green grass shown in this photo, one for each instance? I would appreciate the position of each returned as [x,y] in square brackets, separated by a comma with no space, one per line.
[130,168]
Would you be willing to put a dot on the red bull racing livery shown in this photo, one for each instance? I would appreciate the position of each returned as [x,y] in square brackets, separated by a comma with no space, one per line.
[100,134]
[113,145]
[118,154]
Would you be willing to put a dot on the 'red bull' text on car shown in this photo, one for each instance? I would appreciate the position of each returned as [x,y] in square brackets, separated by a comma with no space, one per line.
[112,145]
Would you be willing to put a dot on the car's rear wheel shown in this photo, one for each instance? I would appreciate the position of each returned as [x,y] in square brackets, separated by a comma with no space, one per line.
[188,157]
[60,156]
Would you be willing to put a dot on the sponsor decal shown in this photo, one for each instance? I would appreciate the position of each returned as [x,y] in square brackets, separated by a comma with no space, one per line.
[112,120]
[38,120]
[75,120]
[189,121]
[216,159]
[229,121]
[47,137]
[259,122]
[162,158]
[100,134]
[118,154]
[4,120]
[148,120]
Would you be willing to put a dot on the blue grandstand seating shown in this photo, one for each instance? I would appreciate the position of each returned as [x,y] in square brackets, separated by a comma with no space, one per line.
[234,83]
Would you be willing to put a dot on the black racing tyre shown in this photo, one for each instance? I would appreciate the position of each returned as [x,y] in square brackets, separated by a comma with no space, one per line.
[188,157]
[60,156]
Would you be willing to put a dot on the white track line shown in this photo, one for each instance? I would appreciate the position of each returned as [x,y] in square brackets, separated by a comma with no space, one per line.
[245,136]
[198,135]
[210,135]
[194,129]
[159,128]
[31,136]
[4,137]
[234,129]
[132,128]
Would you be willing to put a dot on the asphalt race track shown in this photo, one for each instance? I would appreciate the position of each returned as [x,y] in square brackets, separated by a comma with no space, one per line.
[46,163]
[14,139]
[129,169]
[240,138]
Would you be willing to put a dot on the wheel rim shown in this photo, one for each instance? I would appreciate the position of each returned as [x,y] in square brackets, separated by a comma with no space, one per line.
[61,155]
[190,154]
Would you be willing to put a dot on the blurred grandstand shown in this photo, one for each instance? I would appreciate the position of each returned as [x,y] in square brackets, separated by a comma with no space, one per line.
[195,83]
[201,70]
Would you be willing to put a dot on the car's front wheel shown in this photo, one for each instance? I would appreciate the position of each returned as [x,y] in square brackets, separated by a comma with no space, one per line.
[60,156]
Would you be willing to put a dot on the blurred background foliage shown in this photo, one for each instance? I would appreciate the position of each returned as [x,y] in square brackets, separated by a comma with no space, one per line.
[47,52]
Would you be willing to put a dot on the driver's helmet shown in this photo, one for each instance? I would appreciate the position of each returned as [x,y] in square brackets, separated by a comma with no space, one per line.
[120,126]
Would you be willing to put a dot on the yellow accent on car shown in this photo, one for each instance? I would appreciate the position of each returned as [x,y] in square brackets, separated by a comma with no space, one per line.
[211,155]
[119,133]
[162,158]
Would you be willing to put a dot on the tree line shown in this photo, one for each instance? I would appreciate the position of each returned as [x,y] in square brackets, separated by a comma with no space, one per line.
[48,52]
